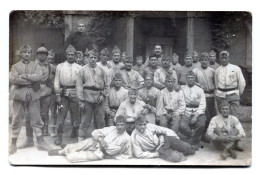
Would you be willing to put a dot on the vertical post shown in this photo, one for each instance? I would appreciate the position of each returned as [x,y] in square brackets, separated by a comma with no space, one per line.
[190,31]
[68,21]
[130,36]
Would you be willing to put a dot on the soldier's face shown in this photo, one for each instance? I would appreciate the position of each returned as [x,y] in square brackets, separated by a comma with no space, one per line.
[224,59]
[132,97]
[103,57]
[188,61]
[190,80]
[225,111]
[116,57]
[92,59]
[204,62]
[153,61]
[141,127]
[195,58]
[165,62]
[81,27]
[120,126]
[26,55]
[148,82]
[51,59]
[79,59]
[139,61]
[41,56]
[117,82]
[85,60]
[128,64]
[71,57]
[174,60]
[212,58]
[158,50]
[170,84]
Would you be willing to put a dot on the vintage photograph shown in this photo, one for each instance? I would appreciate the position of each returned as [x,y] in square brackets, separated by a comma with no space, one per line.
[140,88]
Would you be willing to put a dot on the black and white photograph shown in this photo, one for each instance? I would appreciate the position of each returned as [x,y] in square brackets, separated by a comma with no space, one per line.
[130,88]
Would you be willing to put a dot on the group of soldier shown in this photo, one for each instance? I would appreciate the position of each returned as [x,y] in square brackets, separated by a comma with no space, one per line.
[156,108]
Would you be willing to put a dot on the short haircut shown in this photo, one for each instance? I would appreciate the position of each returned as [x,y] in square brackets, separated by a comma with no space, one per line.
[224,103]
[120,119]
[204,55]
[139,57]
[191,73]
[158,45]
[223,53]
[153,55]
[140,119]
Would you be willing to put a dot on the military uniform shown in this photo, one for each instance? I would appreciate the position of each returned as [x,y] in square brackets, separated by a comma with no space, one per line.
[160,76]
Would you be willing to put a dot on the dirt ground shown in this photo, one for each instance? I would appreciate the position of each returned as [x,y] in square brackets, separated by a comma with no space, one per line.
[206,156]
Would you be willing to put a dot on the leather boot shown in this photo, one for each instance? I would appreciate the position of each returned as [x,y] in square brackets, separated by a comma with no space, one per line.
[224,154]
[238,147]
[13,147]
[233,154]
[58,140]
[74,132]
[53,132]
[27,143]
[45,130]
[42,145]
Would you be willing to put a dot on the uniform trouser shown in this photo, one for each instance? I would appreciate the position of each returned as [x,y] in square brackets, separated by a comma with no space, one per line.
[210,111]
[45,103]
[32,117]
[222,144]
[233,100]
[69,104]
[172,123]
[93,112]
[53,110]
[193,132]
[174,149]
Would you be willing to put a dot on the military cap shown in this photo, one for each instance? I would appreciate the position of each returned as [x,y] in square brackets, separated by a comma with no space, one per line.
[93,52]
[149,75]
[120,119]
[140,119]
[104,51]
[79,53]
[212,52]
[70,49]
[204,55]
[25,48]
[116,50]
[195,53]
[188,55]
[169,77]
[118,75]
[81,21]
[224,53]
[190,73]
[51,53]
[128,58]
[175,56]
[42,50]
[224,103]
[139,57]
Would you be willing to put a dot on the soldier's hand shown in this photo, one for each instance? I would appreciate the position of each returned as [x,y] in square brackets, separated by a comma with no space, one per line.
[81,106]
[102,142]
[58,100]
[23,76]
[100,99]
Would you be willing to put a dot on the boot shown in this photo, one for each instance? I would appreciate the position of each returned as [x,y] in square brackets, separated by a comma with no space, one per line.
[13,147]
[42,145]
[205,138]
[74,132]
[224,154]
[53,133]
[54,152]
[58,140]
[45,131]
[233,154]
[27,143]
[238,147]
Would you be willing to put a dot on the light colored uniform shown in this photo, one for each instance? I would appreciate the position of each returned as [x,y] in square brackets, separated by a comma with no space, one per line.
[131,78]
[182,72]
[214,66]
[109,71]
[160,76]
[116,67]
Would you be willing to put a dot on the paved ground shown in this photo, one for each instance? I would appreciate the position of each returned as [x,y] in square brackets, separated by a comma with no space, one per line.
[207,154]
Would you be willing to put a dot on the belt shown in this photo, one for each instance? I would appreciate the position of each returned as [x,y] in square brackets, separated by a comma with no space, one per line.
[114,107]
[192,106]
[209,92]
[68,87]
[226,90]
[24,86]
[93,88]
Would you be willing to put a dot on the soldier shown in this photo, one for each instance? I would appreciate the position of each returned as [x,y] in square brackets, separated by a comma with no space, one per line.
[46,86]
[182,72]
[230,83]
[212,60]
[116,63]
[112,142]
[193,121]
[131,77]
[117,95]
[139,67]
[226,131]
[85,57]
[53,106]
[195,59]
[79,58]
[104,53]
[150,95]
[175,62]
[80,39]
[92,89]
[158,51]
[26,77]
[130,109]
[152,141]
[205,78]
[152,66]
[171,105]
[65,89]
[160,74]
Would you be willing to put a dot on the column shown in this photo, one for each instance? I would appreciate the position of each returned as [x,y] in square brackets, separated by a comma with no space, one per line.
[130,36]
[190,31]
[68,21]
